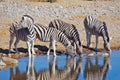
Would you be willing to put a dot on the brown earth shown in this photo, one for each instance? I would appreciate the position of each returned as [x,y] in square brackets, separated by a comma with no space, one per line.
[112,20]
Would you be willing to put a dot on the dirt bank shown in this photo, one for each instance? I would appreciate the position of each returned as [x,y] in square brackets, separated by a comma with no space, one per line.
[72,12]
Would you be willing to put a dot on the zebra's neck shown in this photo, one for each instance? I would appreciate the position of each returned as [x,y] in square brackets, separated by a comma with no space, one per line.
[31,30]
[63,39]
[105,37]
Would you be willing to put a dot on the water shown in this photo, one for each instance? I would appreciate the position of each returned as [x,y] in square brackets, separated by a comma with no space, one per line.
[65,67]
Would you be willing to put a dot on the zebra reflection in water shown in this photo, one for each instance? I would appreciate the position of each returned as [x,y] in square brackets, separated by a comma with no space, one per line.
[30,69]
[70,71]
[94,70]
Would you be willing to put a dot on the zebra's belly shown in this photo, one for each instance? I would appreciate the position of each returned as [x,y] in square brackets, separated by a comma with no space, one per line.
[44,39]
[27,39]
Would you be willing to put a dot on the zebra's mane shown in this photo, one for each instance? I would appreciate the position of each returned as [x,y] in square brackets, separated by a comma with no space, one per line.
[28,17]
[105,27]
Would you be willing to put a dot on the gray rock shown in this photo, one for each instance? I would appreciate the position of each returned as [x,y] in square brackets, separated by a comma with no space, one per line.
[8,60]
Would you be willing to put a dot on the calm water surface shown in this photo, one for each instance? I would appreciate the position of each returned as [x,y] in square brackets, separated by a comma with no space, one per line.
[65,67]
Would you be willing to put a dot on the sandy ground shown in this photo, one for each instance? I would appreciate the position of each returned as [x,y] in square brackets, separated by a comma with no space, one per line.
[113,23]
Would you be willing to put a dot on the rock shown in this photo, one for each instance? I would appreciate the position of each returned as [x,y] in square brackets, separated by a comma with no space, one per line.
[2,67]
[4,55]
[99,54]
[9,55]
[11,65]
[16,56]
[38,52]
[91,54]
[8,60]
[2,63]
[21,54]
[106,55]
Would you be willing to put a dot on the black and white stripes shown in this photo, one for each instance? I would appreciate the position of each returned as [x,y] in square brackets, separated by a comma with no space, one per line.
[70,31]
[58,31]
[52,35]
[24,33]
[98,28]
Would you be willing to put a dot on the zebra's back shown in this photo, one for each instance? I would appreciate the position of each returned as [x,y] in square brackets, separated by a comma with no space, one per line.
[93,25]
[61,25]
[24,34]
[47,34]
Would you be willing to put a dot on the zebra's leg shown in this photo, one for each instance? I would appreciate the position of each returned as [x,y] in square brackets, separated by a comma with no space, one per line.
[75,49]
[96,43]
[29,48]
[49,48]
[54,48]
[10,43]
[88,37]
[16,43]
[32,46]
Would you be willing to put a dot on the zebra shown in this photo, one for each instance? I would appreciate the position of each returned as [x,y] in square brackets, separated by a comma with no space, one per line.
[52,35]
[70,31]
[26,34]
[93,26]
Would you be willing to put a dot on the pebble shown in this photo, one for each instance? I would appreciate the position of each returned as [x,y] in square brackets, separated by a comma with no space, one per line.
[91,54]
[8,60]
[2,63]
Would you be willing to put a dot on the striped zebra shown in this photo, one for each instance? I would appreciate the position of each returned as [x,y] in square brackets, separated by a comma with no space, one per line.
[98,28]
[52,35]
[54,73]
[70,31]
[23,32]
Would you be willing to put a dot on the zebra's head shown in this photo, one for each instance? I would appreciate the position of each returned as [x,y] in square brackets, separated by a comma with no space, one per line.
[107,46]
[69,48]
[26,21]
